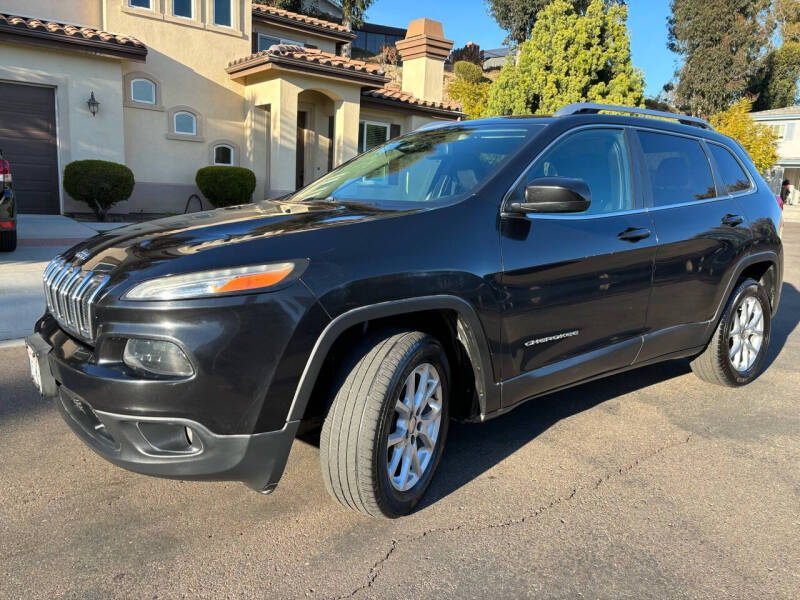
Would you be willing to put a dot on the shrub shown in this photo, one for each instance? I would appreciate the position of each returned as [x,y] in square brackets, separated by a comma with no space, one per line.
[226,186]
[98,183]
[468,71]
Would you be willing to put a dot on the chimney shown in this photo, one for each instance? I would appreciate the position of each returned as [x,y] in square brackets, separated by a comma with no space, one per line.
[423,53]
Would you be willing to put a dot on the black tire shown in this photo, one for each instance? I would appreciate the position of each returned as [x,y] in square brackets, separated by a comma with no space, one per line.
[714,365]
[354,440]
[8,241]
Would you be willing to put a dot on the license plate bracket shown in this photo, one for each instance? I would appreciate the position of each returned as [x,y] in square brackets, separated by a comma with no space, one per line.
[38,352]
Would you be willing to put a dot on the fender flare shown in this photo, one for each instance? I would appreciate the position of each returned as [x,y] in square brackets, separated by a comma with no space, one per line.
[470,334]
[767,256]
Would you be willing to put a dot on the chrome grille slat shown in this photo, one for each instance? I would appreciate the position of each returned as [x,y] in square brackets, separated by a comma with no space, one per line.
[69,293]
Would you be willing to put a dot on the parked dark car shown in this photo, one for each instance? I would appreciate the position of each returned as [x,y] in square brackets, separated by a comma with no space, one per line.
[8,209]
[452,273]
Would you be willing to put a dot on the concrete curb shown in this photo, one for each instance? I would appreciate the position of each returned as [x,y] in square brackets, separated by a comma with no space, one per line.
[17,343]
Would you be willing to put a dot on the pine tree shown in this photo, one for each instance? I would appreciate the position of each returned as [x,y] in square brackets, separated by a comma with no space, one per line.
[723,45]
[570,57]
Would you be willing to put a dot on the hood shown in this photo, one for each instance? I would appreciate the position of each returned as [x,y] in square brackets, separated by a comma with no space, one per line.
[216,238]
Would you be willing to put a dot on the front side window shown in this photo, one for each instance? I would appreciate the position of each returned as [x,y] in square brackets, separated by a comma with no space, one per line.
[144,91]
[733,175]
[223,13]
[223,155]
[185,123]
[182,8]
[438,165]
[371,135]
[677,169]
[597,156]
[139,3]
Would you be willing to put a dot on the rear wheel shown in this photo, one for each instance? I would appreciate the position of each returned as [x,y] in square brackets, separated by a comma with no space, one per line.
[8,241]
[384,433]
[738,348]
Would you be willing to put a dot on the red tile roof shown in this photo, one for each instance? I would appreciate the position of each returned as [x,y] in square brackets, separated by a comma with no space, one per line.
[289,54]
[266,10]
[87,37]
[407,98]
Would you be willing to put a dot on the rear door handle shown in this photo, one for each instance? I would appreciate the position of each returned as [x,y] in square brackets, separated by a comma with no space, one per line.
[732,220]
[632,234]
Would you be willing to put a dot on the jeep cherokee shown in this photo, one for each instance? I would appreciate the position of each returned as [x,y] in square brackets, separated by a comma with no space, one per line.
[454,272]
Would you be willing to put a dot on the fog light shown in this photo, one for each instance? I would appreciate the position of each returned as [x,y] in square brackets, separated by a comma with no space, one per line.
[157,356]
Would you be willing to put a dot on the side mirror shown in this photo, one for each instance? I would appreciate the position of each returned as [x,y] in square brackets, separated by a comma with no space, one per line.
[555,195]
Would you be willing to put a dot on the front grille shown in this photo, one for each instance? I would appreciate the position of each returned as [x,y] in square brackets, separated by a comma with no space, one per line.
[70,293]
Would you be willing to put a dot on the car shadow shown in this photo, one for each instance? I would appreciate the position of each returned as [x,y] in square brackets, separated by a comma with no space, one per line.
[784,322]
[472,449]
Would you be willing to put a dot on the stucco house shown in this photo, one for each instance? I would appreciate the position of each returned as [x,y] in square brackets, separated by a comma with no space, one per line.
[182,84]
[785,122]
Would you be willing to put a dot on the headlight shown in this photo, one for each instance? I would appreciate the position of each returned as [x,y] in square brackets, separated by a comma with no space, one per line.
[211,283]
[157,356]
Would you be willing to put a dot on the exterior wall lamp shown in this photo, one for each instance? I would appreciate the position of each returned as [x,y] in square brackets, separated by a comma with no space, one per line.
[93,104]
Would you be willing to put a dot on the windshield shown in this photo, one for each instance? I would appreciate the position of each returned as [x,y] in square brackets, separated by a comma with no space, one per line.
[427,166]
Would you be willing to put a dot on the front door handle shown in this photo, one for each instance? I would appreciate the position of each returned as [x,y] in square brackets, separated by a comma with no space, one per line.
[732,220]
[632,234]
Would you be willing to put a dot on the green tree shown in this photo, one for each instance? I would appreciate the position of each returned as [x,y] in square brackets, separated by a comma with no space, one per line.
[290,5]
[570,57]
[518,17]
[758,139]
[723,45]
[777,85]
[469,88]
[353,12]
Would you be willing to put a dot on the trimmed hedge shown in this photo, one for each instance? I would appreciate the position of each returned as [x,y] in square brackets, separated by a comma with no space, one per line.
[226,186]
[98,183]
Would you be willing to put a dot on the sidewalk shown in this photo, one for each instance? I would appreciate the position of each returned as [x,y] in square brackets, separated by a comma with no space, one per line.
[41,237]
[791,214]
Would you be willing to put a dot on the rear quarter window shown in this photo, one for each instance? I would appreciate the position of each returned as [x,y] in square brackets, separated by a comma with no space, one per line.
[677,167]
[734,177]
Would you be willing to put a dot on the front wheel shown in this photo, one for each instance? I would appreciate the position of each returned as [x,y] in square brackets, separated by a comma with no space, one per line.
[738,348]
[385,430]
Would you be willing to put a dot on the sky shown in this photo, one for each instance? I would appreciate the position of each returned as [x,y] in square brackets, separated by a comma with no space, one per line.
[469,21]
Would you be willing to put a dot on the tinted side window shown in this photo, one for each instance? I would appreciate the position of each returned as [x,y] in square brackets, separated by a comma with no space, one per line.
[733,176]
[600,158]
[677,169]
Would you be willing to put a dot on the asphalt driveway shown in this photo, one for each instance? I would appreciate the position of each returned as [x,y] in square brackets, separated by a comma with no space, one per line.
[650,484]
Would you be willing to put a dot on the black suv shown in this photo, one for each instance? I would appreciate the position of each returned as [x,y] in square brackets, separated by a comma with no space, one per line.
[454,272]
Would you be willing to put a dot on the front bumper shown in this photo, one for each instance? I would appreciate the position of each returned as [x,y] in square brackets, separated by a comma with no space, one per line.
[160,446]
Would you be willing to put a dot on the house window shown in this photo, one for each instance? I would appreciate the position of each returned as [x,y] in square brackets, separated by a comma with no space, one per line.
[779,130]
[224,155]
[371,134]
[185,123]
[182,8]
[223,13]
[144,91]
[265,41]
[139,3]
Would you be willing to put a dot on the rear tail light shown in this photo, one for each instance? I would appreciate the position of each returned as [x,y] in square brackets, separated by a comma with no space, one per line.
[5,171]
[6,224]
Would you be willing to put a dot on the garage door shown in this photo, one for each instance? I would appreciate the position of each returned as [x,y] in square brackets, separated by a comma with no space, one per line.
[28,141]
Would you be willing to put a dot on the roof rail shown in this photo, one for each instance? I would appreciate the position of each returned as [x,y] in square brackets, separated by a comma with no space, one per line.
[593,108]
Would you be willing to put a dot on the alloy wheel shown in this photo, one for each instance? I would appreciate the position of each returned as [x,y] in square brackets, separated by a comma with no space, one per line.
[746,334]
[417,421]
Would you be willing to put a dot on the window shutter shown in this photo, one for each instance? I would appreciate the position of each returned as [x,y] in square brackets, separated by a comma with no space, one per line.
[394,131]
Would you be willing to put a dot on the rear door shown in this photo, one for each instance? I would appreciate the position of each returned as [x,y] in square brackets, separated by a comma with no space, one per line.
[701,234]
[576,286]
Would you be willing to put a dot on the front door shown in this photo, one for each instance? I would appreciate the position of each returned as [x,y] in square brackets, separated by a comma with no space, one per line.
[576,286]
[300,172]
[702,232]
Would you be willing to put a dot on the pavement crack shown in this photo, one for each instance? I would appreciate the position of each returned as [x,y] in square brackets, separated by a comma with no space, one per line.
[377,567]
